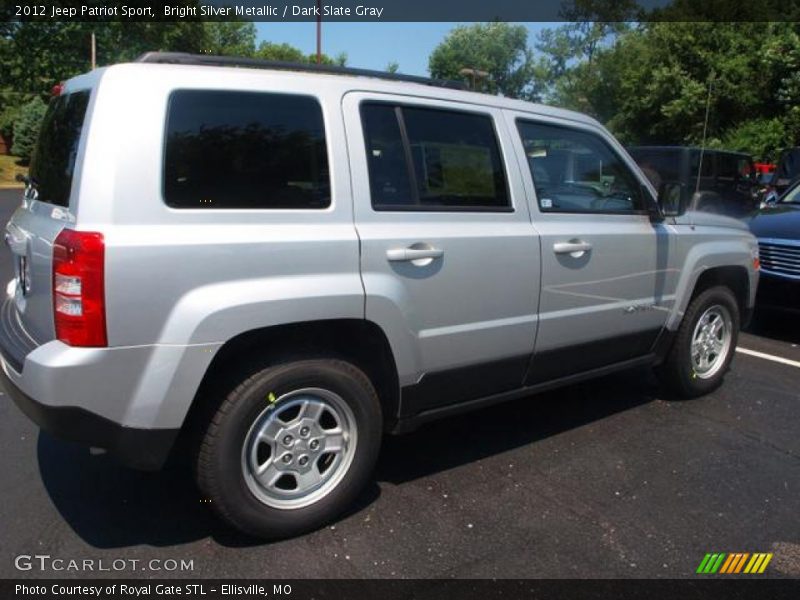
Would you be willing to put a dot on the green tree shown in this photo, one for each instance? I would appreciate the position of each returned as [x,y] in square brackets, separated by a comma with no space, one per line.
[26,128]
[764,138]
[651,84]
[231,38]
[284,52]
[36,55]
[288,53]
[392,67]
[499,49]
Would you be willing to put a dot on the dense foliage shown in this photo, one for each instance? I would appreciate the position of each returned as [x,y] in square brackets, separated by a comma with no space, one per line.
[653,83]
[26,128]
[34,56]
[650,83]
[499,50]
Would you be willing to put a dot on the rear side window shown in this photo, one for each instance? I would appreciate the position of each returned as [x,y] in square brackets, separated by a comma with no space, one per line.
[727,166]
[432,159]
[389,177]
[245,150]
[53,160]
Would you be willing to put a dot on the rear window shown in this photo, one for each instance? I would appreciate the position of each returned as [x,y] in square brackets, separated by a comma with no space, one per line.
[247,150]
[53,160]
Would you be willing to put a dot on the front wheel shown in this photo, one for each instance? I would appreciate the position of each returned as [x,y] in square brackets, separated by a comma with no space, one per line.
[703,348]
[291,447]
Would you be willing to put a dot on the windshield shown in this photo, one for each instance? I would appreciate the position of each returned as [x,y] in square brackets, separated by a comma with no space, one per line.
[53,161]
[792,196]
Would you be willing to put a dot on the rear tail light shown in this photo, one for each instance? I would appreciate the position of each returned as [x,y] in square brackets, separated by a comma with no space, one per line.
[79,288]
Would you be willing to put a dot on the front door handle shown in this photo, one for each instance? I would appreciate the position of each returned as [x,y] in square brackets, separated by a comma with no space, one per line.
[418,254]
[575,248]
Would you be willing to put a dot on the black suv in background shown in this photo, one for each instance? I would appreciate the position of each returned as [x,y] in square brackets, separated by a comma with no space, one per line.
[727,180]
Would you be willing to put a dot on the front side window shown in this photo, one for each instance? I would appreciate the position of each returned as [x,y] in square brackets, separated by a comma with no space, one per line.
[792,196]
[248,150]
[432,159]
[576,171]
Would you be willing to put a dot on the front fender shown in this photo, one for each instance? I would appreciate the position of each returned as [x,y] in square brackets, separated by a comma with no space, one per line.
[701,256]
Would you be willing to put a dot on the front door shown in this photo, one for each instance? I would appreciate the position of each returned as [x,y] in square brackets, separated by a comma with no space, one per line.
[606,283]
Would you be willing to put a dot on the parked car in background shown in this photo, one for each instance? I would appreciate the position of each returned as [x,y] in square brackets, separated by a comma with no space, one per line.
[763,168]
[728,182]
[777,227]
[785,174]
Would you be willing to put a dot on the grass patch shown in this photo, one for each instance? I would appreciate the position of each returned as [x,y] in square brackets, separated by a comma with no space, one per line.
[9,169]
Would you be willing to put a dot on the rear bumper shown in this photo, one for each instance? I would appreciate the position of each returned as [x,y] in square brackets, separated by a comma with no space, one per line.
[139,448]
[129,400]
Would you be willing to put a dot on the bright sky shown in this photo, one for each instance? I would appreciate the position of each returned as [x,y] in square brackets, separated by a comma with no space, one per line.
[373,45]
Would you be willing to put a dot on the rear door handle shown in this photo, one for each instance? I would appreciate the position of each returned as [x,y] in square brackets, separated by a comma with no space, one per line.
[575,248]
[418,256]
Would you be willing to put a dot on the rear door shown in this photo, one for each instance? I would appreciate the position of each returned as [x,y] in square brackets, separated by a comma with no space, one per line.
[449,258]
[606,283]
[44,212]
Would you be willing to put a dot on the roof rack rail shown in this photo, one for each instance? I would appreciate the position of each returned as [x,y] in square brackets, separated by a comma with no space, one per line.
[183,58]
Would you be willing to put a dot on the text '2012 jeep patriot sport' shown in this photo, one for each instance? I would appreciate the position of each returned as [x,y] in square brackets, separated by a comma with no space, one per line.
[285,264]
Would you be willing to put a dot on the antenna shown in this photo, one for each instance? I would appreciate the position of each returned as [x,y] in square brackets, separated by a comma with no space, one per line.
[705,131]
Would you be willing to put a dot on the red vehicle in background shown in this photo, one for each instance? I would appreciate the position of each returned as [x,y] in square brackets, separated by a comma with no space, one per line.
[764,169]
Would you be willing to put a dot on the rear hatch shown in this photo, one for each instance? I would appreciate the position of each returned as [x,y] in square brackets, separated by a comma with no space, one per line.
[45,211]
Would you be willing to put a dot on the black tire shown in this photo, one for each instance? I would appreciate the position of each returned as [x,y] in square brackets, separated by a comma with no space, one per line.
[220,467]
[678,372]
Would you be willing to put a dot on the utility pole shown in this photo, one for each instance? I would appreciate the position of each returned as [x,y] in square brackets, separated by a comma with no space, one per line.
[319,32]
[94,52]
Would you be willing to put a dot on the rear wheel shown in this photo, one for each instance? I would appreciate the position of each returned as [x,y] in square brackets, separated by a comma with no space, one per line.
[705,343]
[291,447]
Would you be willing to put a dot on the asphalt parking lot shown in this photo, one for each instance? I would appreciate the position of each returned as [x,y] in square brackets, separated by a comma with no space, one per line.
[602,479]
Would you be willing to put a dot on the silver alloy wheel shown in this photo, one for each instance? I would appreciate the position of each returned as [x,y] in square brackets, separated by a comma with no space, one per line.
[299,448]
[711,341]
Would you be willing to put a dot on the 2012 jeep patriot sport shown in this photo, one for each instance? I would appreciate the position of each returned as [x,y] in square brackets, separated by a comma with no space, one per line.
[284,264]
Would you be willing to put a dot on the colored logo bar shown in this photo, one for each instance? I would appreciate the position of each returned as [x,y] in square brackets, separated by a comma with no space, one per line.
[734,563]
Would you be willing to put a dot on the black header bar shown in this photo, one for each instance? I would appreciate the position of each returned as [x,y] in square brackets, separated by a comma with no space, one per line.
[404,10]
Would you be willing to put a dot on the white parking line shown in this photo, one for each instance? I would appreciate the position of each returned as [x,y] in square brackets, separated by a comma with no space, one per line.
[777,359]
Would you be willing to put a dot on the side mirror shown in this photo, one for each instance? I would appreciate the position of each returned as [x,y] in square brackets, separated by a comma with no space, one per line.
[671,199]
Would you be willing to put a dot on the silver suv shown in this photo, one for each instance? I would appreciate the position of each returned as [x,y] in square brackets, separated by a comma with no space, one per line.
[275,266]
